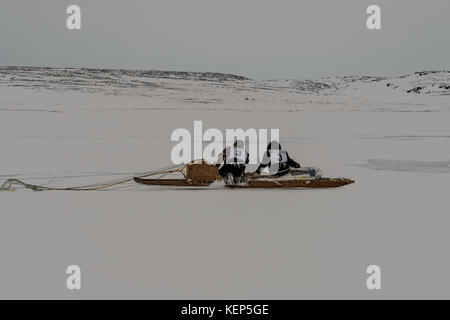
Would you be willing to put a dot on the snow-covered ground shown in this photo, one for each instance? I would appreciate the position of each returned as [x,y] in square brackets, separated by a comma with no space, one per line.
[391,135]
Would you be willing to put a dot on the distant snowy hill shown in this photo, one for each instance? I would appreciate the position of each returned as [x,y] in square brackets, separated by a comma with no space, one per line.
[30,88]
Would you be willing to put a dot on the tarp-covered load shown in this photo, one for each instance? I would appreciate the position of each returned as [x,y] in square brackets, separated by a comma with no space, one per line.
[201,171]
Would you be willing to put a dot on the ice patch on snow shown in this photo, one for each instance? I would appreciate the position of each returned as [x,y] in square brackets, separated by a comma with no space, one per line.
[408,165]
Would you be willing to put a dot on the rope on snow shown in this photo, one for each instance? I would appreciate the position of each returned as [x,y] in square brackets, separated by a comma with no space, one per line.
[8,184]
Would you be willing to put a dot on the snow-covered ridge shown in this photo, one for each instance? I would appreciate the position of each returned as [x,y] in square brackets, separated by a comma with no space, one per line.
[73,77]
[39,89]
[425,82]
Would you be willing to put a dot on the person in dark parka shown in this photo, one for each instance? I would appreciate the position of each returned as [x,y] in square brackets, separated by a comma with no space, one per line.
[234,160]
[277,160]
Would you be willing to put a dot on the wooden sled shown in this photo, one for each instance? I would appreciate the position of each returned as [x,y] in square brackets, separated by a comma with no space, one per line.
[295,183]
[174,182]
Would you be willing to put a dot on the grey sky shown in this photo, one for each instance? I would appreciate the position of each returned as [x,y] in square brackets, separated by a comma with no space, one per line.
[258,38]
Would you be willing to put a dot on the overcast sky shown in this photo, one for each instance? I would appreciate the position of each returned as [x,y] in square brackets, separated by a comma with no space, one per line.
[262,39]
